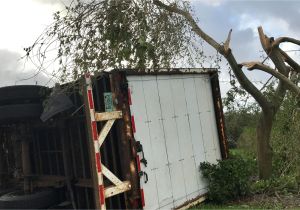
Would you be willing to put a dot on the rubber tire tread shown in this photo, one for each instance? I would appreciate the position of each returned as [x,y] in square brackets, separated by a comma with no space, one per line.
[20,93]
[38,200]
[19,112]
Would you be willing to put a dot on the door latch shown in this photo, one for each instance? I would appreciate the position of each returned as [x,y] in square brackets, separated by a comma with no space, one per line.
[139,148]
[143,173]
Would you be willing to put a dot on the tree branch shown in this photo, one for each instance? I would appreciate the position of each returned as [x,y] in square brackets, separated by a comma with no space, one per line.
[241,77]
[273,51]
[280,40]
[227,42]
[257,65]
[174,9]
[264,40]
[290,61]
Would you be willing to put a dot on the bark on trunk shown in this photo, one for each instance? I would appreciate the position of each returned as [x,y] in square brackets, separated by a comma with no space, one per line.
[264,149]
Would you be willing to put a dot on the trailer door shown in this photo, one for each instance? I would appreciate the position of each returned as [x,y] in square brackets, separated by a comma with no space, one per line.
[175,122]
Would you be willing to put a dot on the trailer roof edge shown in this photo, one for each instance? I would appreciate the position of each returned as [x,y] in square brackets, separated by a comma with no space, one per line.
[165,71]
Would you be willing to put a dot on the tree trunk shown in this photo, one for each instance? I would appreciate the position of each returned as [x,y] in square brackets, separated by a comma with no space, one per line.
[264,149]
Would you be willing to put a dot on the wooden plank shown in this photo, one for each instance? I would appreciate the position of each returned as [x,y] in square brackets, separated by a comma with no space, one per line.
[104,131]
[103,116]
[106,172]
[115,190]
[192,203]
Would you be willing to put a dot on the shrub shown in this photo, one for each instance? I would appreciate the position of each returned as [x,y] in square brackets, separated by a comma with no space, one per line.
[228,179]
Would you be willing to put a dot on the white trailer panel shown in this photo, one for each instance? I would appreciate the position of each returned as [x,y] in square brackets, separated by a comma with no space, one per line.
[175,122]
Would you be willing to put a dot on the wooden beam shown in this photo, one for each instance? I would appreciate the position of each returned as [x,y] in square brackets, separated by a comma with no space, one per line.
[103,116]
[115,190]
[106,172]
[104,131]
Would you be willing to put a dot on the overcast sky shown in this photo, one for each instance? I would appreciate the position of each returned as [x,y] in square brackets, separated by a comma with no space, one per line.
[22,21]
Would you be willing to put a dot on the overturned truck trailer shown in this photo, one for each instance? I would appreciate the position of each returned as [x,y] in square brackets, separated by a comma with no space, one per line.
[119,140]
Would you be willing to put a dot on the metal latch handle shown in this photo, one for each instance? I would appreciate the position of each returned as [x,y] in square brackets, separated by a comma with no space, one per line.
[139,148]
[143,173]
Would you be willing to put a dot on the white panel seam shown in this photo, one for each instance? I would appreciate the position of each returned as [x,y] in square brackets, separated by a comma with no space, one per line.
[165,141]
[172,95]
[191,140]
[204,149]
[150,138]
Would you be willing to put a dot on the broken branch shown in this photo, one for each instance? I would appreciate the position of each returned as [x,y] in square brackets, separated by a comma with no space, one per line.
[264,40]
[257,65]
[280,40]
[290,61]
[241,77]
[227,42]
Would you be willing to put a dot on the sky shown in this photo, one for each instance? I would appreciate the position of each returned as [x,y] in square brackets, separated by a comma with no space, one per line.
[22,21]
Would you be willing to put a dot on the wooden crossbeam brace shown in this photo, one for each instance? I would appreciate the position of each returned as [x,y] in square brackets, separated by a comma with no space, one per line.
[103,116]
[115,190]
[119,187]
[104,131]
[98,138]
[106,172]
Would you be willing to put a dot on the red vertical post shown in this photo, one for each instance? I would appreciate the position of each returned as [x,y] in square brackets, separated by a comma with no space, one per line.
[94,137]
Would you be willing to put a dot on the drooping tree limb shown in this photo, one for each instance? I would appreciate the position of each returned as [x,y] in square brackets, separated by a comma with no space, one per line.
[257,65]
[174,9]
[241,77]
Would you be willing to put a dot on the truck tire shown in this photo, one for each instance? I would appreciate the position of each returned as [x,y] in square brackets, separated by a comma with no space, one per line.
[20,112]
[5,191]
[21,94]
[38,200]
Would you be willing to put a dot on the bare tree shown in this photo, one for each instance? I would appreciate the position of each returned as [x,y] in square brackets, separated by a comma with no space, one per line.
[284,67]
[105,34]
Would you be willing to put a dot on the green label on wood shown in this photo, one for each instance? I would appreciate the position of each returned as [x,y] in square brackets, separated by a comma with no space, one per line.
[108,102]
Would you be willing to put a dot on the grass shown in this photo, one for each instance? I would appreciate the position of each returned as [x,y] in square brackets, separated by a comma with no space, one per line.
[259,201]
[214,206]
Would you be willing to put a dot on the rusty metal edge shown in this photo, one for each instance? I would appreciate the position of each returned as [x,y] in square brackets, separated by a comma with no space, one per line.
[218,107]
[119,88]
[162,71]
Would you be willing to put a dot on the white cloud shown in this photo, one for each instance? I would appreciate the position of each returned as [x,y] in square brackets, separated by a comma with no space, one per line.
[214,3]
[12,71]
[22,22]
[275,26]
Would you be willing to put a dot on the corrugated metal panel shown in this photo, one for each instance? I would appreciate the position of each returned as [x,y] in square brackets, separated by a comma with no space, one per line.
[175,122]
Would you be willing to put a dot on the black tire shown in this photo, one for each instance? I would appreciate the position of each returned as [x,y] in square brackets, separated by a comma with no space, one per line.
[4,191]
[20,112]
[38,200]
[21,94]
